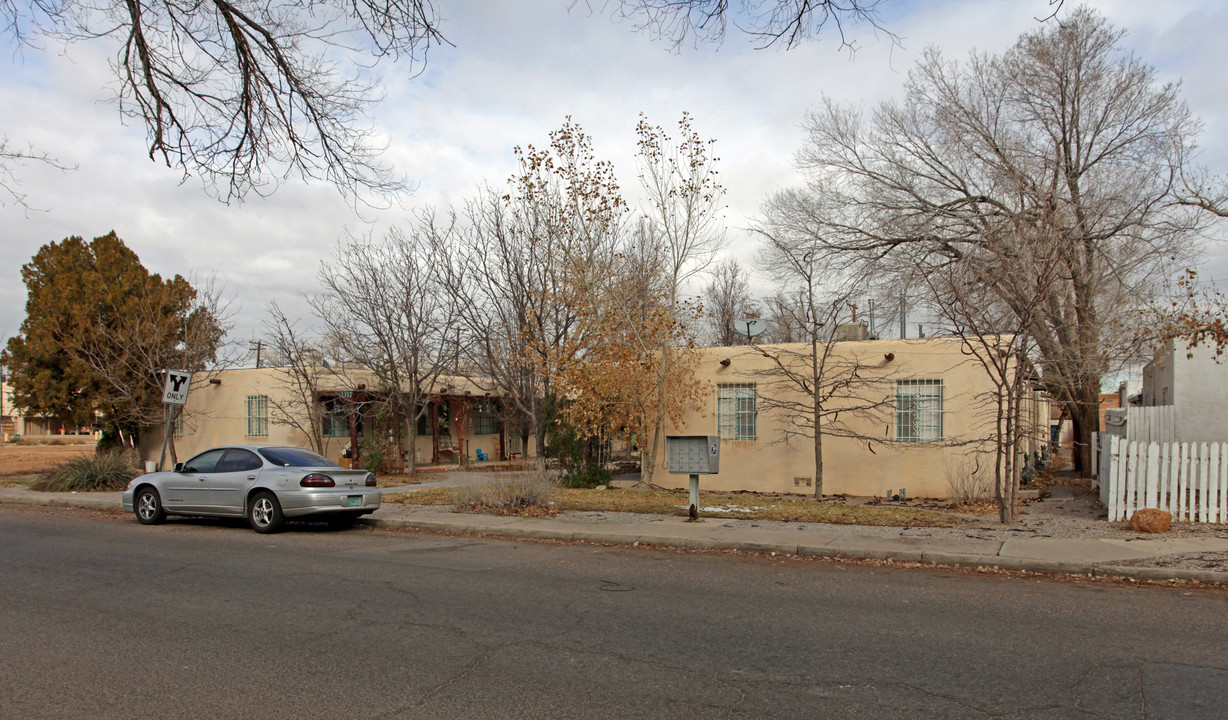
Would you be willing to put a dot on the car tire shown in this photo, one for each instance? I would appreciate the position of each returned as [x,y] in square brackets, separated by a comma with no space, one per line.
[264,513]
[147,506]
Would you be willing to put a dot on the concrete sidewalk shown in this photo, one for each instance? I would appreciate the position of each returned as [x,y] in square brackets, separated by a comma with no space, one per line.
[1080,556]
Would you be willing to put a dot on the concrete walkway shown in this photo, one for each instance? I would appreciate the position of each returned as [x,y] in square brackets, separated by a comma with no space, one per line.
[1081,556]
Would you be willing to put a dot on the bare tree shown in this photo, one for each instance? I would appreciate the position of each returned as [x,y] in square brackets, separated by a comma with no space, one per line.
[497,278]
[10,159]
[784,22]
[995,335]
[1063,139]
[829,383]
[300,373]
[243,94]
[726,300]
[385,307]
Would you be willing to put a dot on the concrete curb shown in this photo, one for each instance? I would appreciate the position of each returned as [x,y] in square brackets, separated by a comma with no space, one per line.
[870,549]
[84,501]
[820,551]
[1158,573]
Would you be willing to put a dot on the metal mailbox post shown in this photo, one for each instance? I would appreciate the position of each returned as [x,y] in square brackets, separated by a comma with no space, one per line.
[693,455]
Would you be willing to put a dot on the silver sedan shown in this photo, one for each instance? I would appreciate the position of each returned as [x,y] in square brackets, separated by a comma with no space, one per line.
[264,484]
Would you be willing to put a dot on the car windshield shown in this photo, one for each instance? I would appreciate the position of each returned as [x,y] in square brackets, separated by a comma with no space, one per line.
[295,457]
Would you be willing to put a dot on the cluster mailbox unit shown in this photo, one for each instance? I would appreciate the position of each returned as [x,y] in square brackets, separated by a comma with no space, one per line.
[693,455]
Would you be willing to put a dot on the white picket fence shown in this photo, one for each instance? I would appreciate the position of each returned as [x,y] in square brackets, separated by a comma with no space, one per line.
[1189,480]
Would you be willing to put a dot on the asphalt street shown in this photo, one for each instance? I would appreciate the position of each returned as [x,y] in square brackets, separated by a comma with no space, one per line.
[103,618]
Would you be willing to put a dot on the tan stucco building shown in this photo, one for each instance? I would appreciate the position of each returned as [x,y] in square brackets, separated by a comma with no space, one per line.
[240,406]
[915,414]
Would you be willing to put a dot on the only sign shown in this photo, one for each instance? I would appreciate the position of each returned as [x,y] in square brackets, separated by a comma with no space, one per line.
[175,391]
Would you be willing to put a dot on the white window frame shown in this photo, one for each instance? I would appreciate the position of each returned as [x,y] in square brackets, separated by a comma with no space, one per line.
[918,410]
[737,411]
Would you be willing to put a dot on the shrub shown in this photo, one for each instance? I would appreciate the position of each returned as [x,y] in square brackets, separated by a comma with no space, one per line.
[588,476]
[967,483]
[101,471]
[510,494]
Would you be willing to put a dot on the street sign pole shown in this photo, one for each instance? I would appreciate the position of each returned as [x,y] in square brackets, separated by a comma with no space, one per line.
[174,392]
[166,433]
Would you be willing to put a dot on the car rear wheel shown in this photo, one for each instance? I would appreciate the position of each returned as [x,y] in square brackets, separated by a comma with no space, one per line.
[148,507]
[264,513]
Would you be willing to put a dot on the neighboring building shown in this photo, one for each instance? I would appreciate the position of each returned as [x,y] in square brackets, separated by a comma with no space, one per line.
[933,418]
[238,407]
[1194,382]
[13,424]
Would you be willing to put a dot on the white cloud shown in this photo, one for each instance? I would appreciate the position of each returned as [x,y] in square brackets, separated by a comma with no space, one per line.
[517,70]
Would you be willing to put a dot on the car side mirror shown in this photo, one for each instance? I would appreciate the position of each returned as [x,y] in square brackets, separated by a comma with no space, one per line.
[178,467]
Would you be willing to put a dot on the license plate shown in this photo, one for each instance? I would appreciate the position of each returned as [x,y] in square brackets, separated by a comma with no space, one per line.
[353,500]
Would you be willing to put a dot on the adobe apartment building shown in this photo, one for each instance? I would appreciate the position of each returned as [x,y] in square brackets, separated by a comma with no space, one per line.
[237,407]
[929,412]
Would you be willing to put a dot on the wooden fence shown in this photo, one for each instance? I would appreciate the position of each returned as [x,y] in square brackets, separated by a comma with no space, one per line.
[1189,480]
[1146,424]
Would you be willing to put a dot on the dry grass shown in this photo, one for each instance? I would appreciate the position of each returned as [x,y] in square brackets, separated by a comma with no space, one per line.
[511,494]
[18,460]
[20,481]
[430,496]
[756,507]
[976,507]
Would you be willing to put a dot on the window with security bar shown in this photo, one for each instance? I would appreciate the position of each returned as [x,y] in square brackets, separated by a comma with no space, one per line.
[918,410]
[485,418]
[257,416]
[735,411]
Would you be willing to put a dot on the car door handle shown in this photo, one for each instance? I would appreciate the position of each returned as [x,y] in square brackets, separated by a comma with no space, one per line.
[251,477]
[203,479]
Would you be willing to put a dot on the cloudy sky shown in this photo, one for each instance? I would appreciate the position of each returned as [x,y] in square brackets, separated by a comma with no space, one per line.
[516,71]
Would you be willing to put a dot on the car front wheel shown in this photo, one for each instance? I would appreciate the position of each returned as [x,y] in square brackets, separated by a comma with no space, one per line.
[148,507]
[264,513]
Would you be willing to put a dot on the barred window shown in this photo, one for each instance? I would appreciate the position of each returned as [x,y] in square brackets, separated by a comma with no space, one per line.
[257,416]
[485,418]
[735,411]
[177,422]
[918,410]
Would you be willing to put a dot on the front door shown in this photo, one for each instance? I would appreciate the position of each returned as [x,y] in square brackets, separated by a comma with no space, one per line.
[229,482]
[188,488]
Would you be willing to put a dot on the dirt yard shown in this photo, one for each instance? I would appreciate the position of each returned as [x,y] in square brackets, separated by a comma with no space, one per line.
[17,460]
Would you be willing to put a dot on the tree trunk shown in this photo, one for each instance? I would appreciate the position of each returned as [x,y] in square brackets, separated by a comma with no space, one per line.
[818,410]
[411,457]
[648,456]
[818,451]
[1085,420]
